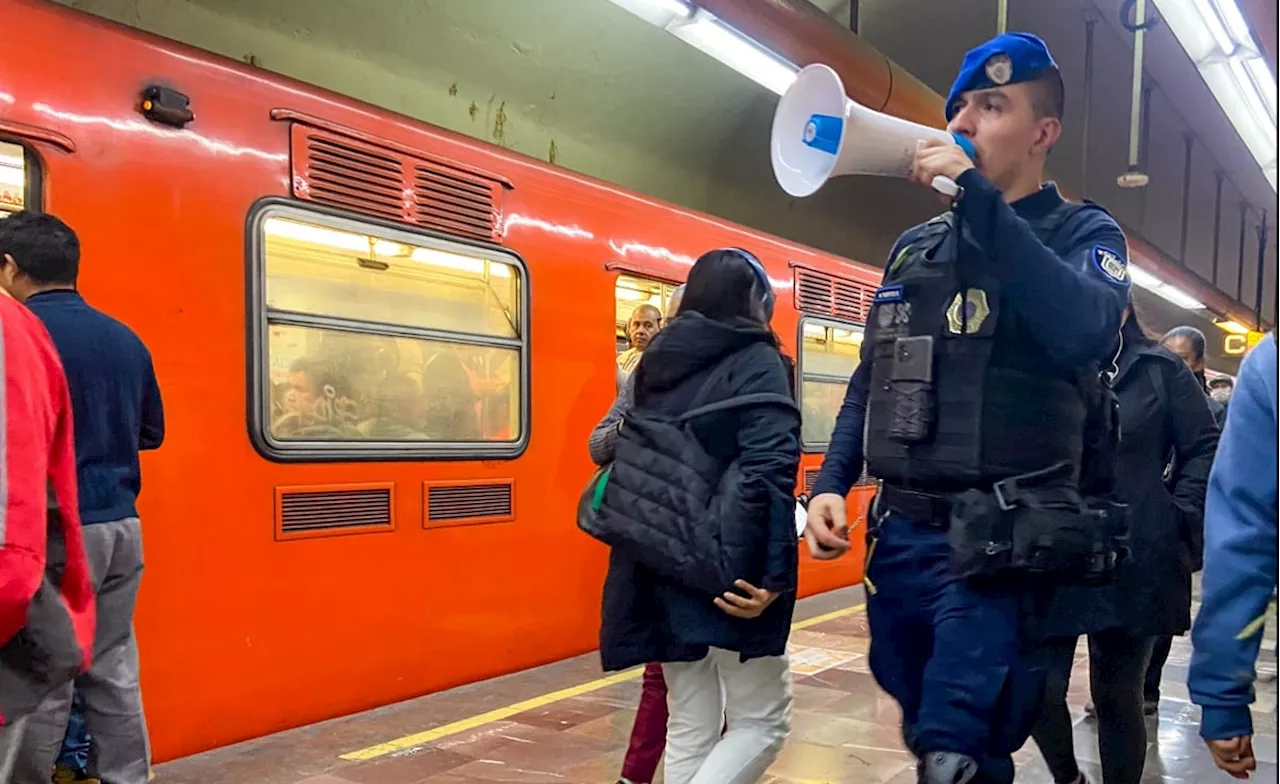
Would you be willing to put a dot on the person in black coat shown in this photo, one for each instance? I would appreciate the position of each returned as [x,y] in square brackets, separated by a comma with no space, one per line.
[1162,412]
[723,656]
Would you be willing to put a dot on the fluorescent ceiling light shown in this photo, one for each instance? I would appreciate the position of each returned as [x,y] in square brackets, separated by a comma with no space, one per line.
[705,32]
[1234,327]
[1218,40]
[1151,283]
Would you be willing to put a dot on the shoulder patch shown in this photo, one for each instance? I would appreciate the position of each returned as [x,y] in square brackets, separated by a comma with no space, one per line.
[889,294]
[1111,264]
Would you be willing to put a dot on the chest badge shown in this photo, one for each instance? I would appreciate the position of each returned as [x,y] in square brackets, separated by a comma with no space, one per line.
[967,312]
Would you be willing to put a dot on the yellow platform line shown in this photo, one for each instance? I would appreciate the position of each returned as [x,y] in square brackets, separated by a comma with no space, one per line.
[498,714]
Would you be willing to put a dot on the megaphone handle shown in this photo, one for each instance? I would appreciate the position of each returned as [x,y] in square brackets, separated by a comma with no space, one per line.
[947,187]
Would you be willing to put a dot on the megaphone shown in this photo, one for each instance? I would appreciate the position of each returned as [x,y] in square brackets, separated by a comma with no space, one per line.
[820,133]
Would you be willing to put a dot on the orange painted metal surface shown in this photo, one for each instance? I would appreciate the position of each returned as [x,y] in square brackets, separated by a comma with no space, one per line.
[242,634]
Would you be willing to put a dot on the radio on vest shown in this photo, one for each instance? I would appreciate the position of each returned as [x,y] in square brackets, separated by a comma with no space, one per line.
[820,133]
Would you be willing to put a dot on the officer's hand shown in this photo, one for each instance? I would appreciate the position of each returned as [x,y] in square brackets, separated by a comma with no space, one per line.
[749,606]
[826,530]
[937,158]
[1235,756]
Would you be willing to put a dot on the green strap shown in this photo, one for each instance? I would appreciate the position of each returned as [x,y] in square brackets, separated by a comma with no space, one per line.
[597,498]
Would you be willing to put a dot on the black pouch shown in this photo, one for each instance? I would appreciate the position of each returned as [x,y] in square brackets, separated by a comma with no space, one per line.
[911,381]
[1065,543]
[979,535]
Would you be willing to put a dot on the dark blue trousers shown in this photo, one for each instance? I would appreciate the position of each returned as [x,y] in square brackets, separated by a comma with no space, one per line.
[75,746]
[951,653]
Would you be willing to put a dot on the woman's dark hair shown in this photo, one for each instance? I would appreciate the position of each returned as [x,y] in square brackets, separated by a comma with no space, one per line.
[1190,334]
[1135,335]
[723,287]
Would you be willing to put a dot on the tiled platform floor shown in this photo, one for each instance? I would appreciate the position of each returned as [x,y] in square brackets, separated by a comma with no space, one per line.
[844,728]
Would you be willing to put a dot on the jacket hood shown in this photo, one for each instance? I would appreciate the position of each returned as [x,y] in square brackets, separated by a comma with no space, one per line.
[690,344]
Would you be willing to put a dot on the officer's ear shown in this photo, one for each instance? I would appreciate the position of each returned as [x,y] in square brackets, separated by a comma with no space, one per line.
[1047,132]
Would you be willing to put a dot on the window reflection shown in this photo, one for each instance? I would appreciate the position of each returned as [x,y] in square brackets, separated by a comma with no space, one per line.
[13,178]
[328,385]
[829,353]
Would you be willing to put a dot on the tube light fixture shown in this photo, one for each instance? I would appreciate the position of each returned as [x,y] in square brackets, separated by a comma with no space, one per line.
[1234,327]
[1217,38]
[1146,280]
[704,31]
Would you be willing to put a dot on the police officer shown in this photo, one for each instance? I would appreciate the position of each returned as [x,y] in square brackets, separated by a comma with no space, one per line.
[986,321]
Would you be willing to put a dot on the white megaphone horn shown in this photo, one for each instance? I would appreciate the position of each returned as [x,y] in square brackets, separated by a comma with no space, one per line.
[820,133]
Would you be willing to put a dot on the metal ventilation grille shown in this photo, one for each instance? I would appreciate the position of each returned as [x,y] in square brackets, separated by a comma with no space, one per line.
[489,502]
[810,477]
[824,294]
[386,182]
[312,510]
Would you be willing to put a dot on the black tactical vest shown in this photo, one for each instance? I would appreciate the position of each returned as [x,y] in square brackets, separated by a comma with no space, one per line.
[987,404]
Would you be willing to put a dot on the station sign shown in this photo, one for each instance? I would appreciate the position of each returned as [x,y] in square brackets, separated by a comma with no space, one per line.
[1237,345]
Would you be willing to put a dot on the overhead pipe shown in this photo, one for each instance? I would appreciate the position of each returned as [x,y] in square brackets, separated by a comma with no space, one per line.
[1086,116]
[1189,140]
[803,34]
[1134,177]
[1002,16]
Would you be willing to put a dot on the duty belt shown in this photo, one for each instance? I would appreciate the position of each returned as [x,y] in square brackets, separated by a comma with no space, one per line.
[934,509]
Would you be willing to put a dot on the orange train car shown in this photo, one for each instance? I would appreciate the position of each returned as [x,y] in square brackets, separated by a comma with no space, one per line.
[381,348]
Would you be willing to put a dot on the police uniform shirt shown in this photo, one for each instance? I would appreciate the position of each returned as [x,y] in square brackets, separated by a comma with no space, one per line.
[1070,297]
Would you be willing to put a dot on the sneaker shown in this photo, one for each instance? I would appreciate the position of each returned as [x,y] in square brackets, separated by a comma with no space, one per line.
[1150,707]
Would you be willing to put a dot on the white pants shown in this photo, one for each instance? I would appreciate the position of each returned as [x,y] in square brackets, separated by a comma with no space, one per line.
[751,701]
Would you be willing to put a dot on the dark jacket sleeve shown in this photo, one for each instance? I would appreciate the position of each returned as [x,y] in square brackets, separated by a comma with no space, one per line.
[604,437]
[1195,440]
[768,450]
[152,421]
[1071,305]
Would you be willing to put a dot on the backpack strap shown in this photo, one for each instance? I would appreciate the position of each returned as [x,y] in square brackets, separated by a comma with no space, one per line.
[740,401]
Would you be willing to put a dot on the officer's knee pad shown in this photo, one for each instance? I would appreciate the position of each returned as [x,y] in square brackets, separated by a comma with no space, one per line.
[946,767]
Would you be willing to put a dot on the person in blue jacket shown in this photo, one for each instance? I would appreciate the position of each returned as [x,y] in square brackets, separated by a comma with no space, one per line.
[1239,564]
[986,321]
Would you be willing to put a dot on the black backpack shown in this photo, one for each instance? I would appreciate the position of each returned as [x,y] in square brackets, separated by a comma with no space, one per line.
[664,500]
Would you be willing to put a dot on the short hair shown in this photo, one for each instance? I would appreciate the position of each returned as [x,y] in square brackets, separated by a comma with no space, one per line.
[1190,334]
[1048,97]
[657,314]
[44,248]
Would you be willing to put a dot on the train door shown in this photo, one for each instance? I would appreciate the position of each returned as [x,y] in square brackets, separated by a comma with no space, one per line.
[632,292]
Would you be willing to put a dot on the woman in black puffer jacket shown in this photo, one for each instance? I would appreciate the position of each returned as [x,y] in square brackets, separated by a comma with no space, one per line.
[722,656]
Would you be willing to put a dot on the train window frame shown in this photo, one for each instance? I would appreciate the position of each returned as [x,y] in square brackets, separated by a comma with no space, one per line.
[33,177]
[260,319]
[810,446]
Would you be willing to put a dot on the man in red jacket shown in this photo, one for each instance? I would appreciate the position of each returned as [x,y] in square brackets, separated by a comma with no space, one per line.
[46,620]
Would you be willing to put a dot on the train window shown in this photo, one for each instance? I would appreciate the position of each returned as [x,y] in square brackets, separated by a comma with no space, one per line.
[15,180]
[631,292]
[382,343]
[829,353]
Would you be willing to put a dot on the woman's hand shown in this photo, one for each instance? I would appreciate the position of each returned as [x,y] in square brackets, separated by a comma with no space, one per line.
[749,606]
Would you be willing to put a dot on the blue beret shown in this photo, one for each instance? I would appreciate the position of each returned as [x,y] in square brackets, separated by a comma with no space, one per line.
[1006,59]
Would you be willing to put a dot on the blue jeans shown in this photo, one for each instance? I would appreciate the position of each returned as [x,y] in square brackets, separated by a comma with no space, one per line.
[951,653]
[75,746]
